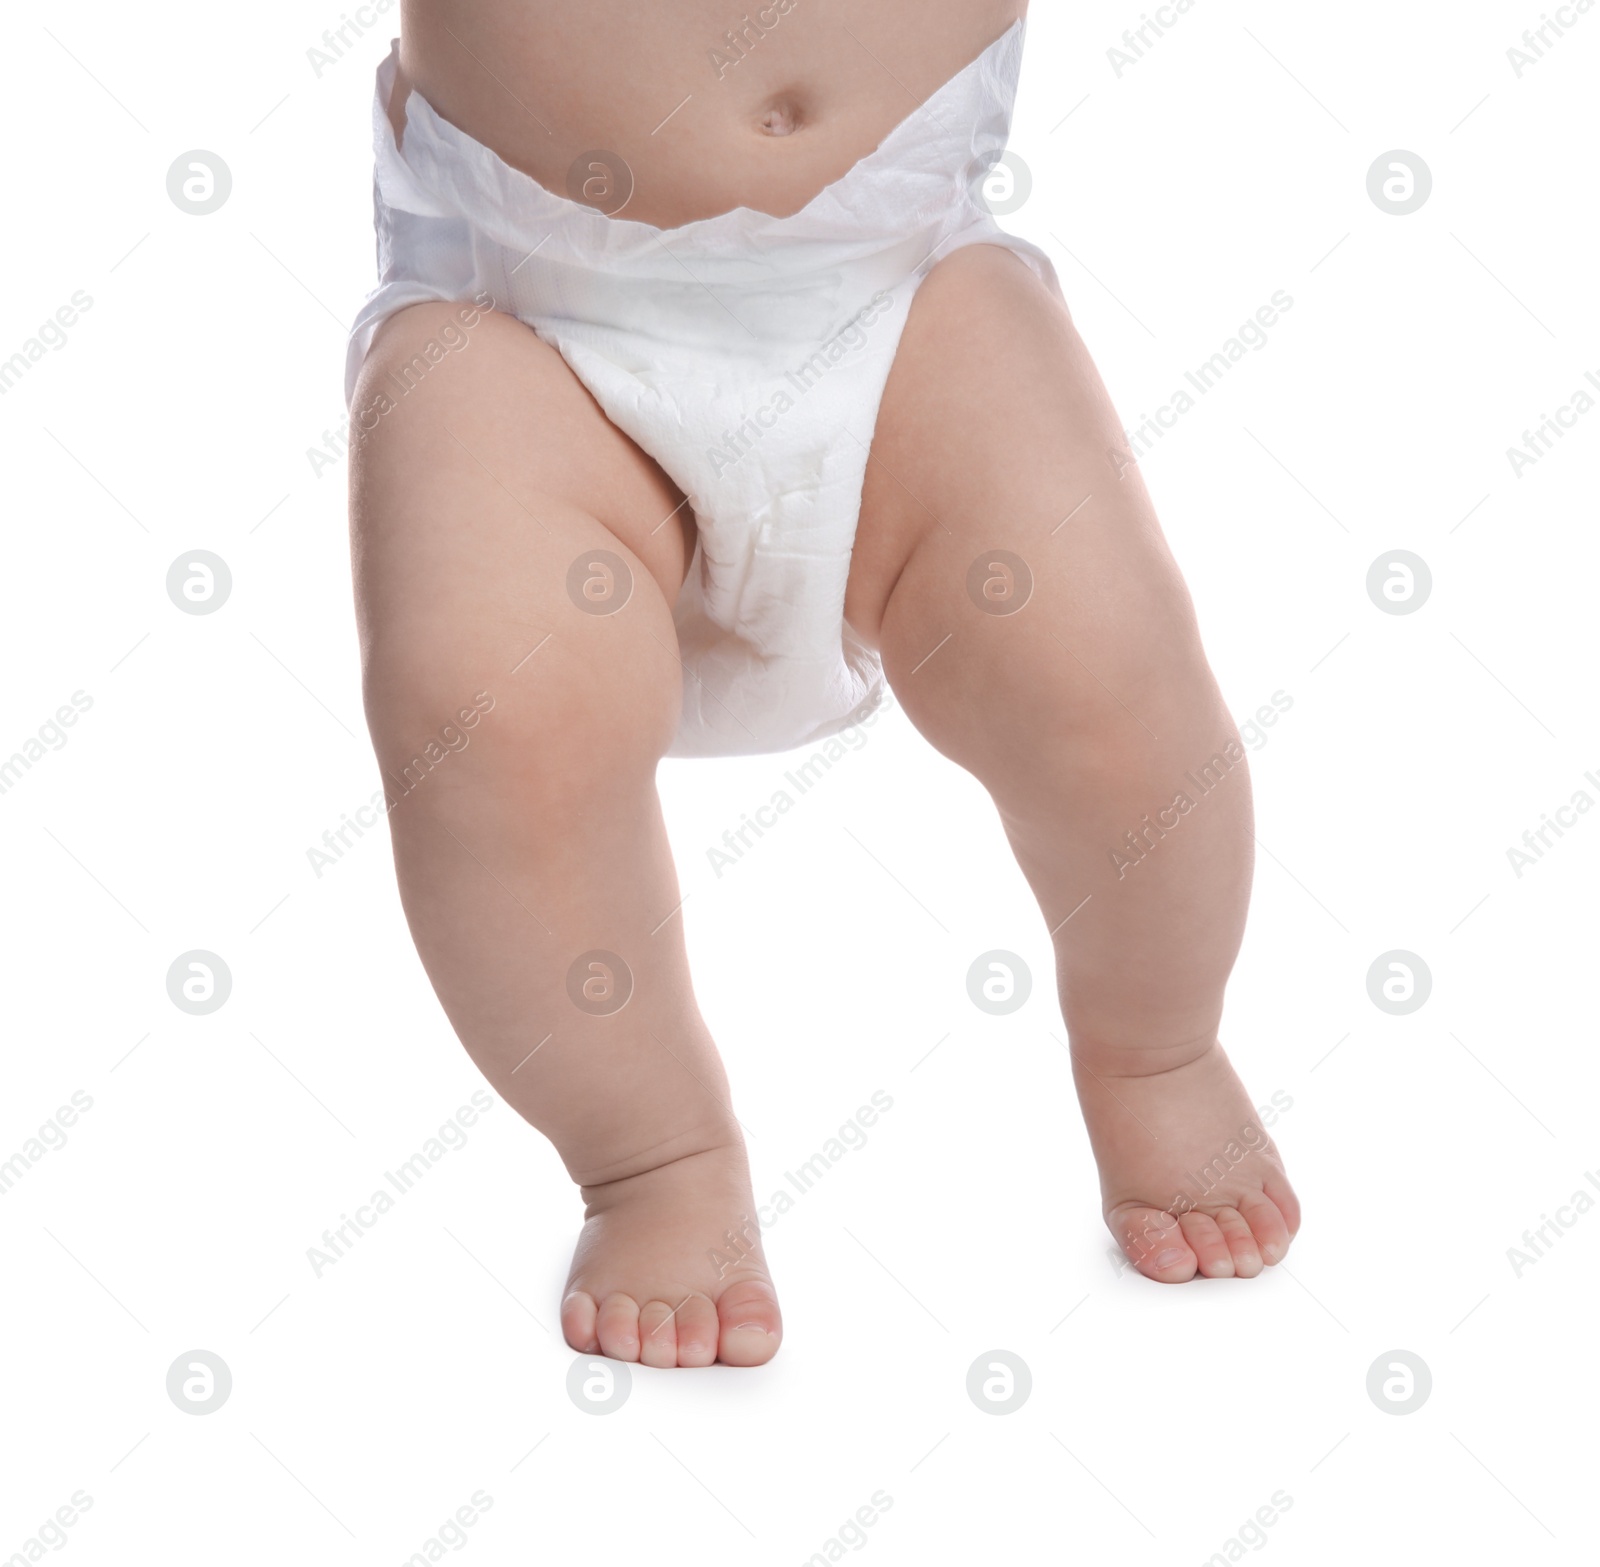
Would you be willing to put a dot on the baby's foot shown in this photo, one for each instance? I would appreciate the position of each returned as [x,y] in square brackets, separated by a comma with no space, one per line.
[1189,1178]
[669,1270]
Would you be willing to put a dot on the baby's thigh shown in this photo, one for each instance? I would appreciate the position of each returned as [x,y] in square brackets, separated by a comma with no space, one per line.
[509,543]
[996,436]
[1003,524]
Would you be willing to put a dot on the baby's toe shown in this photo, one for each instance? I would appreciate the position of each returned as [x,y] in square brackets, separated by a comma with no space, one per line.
[1267,1225]
[698,1331]
[579,1314]
[750,1325]
[1241,1243]
[1208,1244]
[658,1334]
[619,1327]
[1153,1242]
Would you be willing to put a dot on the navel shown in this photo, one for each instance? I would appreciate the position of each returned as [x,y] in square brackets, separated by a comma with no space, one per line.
[781,116]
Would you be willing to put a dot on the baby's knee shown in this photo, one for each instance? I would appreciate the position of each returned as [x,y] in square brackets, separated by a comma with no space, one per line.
[1064,689]
[560,727]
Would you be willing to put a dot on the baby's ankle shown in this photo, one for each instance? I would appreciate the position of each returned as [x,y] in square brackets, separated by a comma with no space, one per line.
[608,1168]
[1121,1056]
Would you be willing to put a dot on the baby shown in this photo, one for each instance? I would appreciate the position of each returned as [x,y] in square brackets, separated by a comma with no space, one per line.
[701,394]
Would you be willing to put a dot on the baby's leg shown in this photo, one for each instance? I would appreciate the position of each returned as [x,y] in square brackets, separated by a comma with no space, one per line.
[1090,714]
[532,858]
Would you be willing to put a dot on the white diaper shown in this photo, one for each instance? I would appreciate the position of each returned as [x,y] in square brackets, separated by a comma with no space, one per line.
[747,354]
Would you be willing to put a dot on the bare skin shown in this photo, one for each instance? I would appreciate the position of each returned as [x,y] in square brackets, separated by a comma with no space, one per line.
[829,79]
[541,842]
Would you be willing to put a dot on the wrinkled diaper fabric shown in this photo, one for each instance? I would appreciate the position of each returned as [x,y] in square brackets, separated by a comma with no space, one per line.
[747,354]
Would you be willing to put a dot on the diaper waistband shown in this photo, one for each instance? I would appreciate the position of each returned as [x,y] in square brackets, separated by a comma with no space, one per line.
[919,184]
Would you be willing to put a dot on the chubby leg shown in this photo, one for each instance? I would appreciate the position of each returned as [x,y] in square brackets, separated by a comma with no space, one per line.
[519,699]
[1033,623]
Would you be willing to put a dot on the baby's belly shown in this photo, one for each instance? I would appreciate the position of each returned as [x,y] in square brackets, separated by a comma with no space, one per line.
[707,106]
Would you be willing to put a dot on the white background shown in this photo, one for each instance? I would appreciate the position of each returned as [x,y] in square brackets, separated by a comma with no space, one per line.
[370,1403]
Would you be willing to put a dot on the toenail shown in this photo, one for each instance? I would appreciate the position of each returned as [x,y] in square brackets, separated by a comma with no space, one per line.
[745,1327]
[1169,1259]
[1270,1253]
